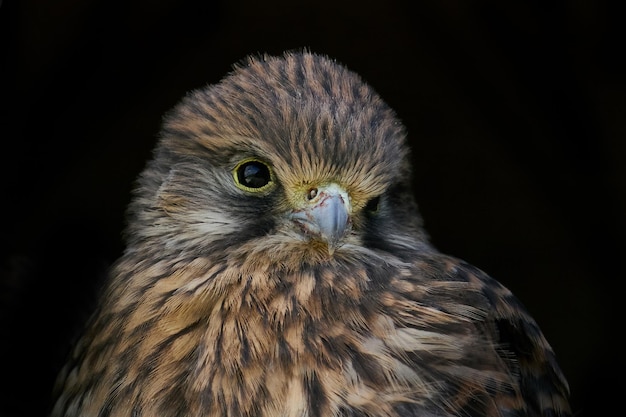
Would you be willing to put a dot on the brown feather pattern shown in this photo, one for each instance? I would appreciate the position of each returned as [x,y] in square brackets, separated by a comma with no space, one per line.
[221,307]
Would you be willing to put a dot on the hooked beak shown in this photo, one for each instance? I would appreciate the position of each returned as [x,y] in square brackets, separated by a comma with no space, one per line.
[326,215]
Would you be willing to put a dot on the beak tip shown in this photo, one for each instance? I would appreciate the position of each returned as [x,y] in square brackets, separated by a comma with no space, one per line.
[332,244]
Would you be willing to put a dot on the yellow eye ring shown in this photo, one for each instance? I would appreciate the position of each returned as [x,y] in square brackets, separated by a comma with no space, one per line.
[253,175]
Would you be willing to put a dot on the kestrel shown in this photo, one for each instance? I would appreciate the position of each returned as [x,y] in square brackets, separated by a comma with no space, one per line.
[276,265]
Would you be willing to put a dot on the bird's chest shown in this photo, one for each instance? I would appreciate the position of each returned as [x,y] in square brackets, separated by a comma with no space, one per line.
[286,362]
[307,343]
[279,363]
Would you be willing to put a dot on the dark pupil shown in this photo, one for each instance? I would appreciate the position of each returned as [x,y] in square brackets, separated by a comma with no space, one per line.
[253,174]
[372,205]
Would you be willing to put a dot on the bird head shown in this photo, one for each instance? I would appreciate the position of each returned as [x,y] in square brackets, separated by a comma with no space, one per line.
[293,152]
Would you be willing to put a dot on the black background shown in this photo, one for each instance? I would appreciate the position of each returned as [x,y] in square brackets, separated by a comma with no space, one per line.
[516,113]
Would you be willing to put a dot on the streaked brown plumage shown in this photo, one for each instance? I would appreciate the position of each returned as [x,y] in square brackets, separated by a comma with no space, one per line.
[276,265]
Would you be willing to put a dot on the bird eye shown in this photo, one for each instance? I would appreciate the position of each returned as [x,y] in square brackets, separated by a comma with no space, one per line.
[372,206]
[253,175]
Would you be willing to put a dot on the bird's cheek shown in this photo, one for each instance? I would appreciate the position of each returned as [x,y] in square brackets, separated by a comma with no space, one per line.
[325,216]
